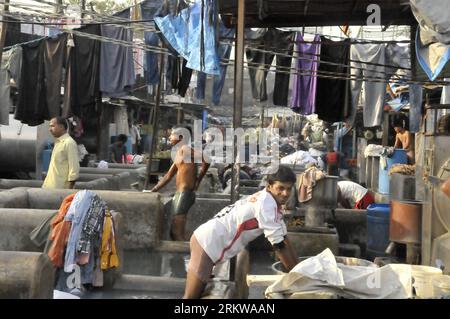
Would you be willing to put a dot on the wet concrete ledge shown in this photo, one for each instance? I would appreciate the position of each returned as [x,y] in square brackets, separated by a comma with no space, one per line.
[142,212]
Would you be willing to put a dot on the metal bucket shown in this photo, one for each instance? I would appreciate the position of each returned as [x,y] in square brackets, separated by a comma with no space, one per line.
[406,222]
[279,269]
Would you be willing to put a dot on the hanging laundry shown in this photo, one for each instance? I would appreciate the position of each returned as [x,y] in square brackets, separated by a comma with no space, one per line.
[415,107]
[257,61]
[398,56]
[333,95]
[185,79]
[224,53]
[193,35]
[32,106]
[54,59]
[432,39]
[116,61]
[270,43]
[304,88]
[82,72]
[81,204]
[283,42]
[12,60]
[109,257]
[173,71]
[149,9]
[60,230]
[91,230]
[306,183]
[5,84]
[374,80]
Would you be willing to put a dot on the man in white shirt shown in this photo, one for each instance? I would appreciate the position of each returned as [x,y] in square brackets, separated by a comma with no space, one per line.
[224,236]
[352,195]
[135,138]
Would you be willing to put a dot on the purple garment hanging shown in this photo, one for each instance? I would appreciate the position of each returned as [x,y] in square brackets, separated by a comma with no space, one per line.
[304,88]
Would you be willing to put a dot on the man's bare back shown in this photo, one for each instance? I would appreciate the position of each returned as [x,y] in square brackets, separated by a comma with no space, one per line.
[186,169]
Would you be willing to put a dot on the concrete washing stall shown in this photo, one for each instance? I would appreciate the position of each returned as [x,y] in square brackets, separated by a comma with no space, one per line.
[140,233]
[25,275]
[100,182]
[142,212]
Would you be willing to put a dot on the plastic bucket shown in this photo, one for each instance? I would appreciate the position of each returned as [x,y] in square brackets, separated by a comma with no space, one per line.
[398,157]
[378,219]
[441,286]
[423,280]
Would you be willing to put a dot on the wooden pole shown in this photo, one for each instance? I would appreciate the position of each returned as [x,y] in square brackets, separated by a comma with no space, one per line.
[238,96]
[155,121]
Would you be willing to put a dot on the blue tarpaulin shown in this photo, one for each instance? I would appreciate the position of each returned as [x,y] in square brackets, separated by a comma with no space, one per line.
[185,34]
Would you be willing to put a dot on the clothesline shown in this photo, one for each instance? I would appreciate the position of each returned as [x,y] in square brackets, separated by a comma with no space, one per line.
[283,70]
[267,51]
[318,74]
[112,20]
[304,58]
[318,55]
[339,75]
[328,62]
[144,47]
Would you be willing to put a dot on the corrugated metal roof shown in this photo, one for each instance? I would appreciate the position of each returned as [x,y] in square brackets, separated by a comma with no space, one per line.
[285,13]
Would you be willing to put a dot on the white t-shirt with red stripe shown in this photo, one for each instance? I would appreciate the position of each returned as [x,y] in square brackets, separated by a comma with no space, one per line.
[224,236]
[352,191]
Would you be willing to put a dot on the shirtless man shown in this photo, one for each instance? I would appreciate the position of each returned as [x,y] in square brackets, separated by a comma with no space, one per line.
[403,139]
[187,183]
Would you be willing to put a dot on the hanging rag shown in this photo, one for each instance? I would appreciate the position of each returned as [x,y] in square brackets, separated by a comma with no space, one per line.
[10,68]
[60,231]
[433,36]
[374,92]
[117,74]
[109,258]
[306,183]
[40,235]
[333,94]
[305,85]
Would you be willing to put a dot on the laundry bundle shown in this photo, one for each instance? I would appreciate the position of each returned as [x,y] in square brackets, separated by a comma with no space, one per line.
[82,236]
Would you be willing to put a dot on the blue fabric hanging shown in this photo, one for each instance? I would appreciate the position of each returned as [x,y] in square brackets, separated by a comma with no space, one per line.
[149,9]
[184,33]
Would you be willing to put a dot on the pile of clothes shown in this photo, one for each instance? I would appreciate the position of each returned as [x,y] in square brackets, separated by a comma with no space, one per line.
[81,240]
[299,158]
[403,169]
[306,183]
[322,276]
